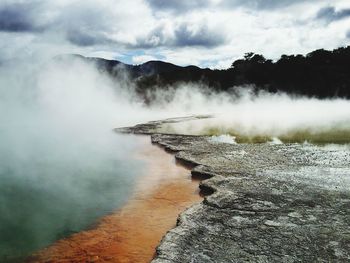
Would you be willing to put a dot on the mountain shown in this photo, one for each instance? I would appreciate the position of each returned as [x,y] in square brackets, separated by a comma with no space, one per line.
[321,73]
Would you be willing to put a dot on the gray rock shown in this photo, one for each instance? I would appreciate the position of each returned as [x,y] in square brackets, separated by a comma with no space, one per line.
[267,203]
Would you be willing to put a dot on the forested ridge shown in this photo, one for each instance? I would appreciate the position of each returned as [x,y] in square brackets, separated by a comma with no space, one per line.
[321,73]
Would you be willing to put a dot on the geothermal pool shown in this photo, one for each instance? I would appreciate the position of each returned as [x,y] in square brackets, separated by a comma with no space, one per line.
[103,202]
[49,195]
[132,233]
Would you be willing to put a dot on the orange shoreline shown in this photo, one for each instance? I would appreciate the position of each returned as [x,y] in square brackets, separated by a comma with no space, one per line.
[132,233]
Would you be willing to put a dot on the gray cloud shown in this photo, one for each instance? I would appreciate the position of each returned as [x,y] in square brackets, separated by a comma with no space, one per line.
[154,38]
[81,39]
[183,35]
[262,4]
[18,17]
[348,34]
[183,6]
[82,25]
[166,27]
[176,5]
[204,37]
[330,14]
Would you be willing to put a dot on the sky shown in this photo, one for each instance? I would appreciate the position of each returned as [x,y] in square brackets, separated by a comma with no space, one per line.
[206,33]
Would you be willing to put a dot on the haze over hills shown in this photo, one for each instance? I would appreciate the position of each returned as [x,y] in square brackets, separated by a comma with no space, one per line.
[321,73]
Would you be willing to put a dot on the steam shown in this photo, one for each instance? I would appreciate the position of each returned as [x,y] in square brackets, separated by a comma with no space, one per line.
[261,117]
[223,139]
[275,140]
[61,166]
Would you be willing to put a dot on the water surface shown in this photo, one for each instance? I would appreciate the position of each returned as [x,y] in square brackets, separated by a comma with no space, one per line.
[132,233]
[47,193]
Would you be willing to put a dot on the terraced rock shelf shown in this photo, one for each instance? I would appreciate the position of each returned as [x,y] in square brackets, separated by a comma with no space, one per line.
[264,203]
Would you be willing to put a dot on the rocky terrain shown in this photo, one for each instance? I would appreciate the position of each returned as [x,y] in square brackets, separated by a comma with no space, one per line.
[264,203]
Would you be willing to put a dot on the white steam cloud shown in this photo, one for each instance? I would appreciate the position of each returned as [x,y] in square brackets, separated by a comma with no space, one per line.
[225,138]
[57,144]
[246,113]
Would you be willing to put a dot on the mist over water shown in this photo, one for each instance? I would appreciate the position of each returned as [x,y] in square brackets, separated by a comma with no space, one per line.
[62,167]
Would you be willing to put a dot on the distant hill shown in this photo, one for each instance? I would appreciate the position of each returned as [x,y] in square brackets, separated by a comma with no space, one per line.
[321,73]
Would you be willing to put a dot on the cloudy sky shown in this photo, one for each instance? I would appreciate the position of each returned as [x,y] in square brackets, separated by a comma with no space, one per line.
[207,33]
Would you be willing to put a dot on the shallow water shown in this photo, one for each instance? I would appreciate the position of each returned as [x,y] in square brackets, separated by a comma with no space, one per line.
[50,194]
[132,233]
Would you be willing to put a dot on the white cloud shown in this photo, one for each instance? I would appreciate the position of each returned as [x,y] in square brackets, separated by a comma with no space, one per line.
[104,54]
[142,59]
[202,33]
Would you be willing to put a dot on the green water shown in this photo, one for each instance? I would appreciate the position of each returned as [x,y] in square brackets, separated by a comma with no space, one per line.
[46,195]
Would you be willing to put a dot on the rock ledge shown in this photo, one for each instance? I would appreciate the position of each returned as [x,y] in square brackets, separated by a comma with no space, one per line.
[266,203]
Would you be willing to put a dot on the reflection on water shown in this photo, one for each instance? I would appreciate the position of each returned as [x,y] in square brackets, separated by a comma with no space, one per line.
[51,194]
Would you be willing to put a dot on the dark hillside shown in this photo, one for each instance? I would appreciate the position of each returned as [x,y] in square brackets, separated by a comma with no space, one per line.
[321,73]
